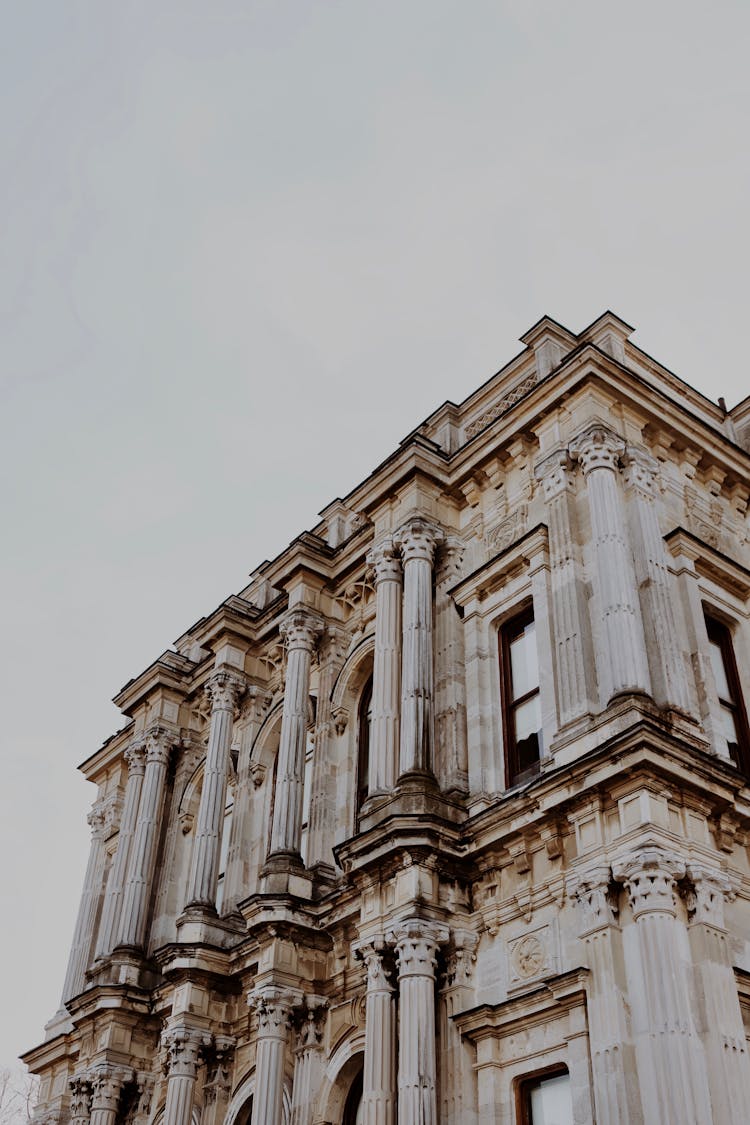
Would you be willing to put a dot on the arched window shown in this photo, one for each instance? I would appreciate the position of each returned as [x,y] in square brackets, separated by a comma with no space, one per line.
[353,1109]
[363,743]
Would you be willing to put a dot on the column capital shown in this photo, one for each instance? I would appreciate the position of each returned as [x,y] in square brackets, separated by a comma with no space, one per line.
[706,894]
[97,822]
[225,689]
[593,891]
[80,1096]
[556,473]
[384,562]
[597,447]
[301,629]
[371,951]
[649,876]
[417,538]
[158,742]
[310,1030]
[460,958]
[416,942]
[183,1046]
[273,1007]
[255,703]
[106,1085]
[640,471]
[450,560]
[218,1067]
[333,644]
[135,756]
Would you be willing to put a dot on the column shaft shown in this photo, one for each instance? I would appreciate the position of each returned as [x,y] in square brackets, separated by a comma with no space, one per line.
[451,754]
[241,838]
[224,689]
[142,862]
[78,961]
[379,1077]
[106,1085]
[386,675]
[622,662]
[273,1007]
[655,585]
[417,540]
[135,756]
[308,1067]
[323,797]
[458,1102]
[183,1046]
[300,631]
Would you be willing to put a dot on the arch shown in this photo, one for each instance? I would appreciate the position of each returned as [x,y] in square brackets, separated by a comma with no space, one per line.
[351,679]
[344,1065]
[195,1117]
[241,1097]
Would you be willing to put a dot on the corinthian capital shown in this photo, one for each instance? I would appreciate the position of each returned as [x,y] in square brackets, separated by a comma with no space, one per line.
[80,1097]
[556,472]
[183,1047]
[593,892]
[301,629]
[371,951]
[707,892]
[640,471]
[384,562]
[417,539]
[450,560]
[649,877]
[597,447]
[106,1085]
[224,690]
[97,822]
[273,1007]
[135,756]
[417,942]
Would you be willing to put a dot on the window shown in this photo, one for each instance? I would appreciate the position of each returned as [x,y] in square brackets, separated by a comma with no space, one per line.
[546,1100]
[363,744]
[522,711]
[226,833]
[353,1109]
[733,714]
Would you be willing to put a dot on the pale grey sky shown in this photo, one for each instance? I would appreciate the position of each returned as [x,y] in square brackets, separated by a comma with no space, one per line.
[246,248]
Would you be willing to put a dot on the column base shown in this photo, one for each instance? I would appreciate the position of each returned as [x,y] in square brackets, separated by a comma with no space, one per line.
[285,873]
[201,924]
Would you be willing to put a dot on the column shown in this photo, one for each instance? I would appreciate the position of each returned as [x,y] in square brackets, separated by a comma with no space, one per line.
[621,663]
[655,585]
[273,1007]
[300,631]
[308,1061]
[78,961]
[386,673]
[219,1058]
[80,1098]
[255,707]
[135,756]
[612,1052]
[669,1054]
[417,943]
[142,862]
[379,1077]
[224,690]
[451,754]
[458,1102]
[574,661]
[106,1089]
[324,795]
[417,540]
[184,1047]
[719,1016]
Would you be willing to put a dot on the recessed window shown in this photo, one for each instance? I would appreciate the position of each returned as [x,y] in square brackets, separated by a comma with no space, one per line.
[363,743]
[733,714]
[522,710]
[546,1100]
[226,833]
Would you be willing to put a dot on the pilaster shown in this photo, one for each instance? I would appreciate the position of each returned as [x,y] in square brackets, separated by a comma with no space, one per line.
[106,1090]
[184,1047]
[332,649]
[379,1077]
[273,1007]
[135,756]
[386,676]
[451,754]
[256,702]
[83,936]
[308,1060]
[458,1101]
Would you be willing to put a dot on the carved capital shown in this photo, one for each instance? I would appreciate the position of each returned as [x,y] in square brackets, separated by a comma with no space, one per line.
[159,742]
[184,1047]
[640,471]
[417,942]
[371,952]
[595,894]
[224,690]
[649,877]
[80,1097]
[418,539]
[273,1007]
[145,1084]
[219,1059]
[597,447]
[707,891]
[384,562]
[460,958]
[333,645]
[301,629]
[97,822]
[257,773]
[311,1022]
[106,1085]
[255,704]
[556,472]
[450,561]
[135,756]
[340,716]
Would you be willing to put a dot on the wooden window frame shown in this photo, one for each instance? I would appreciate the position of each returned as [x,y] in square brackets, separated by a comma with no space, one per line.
[508,631]
[523,1087]
[720,634]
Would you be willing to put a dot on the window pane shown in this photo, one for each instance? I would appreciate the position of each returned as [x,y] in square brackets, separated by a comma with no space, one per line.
[729,726]
[527,724]
[719,670]
[551,1103]
[524,667]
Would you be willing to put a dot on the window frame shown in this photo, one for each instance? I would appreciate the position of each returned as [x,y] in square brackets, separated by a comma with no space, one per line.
[526,1082]
[720,634]
[509,629]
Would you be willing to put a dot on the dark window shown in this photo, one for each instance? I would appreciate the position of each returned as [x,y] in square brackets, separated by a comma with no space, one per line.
[353,1106]
[545,1099]
[363,743]
[522,711]
[734,716]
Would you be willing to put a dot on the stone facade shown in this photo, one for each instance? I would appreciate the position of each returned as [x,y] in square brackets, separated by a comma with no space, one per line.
[445,816]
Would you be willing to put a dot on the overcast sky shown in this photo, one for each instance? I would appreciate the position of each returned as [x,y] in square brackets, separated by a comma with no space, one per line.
[246,248]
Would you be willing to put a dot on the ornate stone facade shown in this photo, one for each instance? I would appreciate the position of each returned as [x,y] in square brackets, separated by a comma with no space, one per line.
[447,812]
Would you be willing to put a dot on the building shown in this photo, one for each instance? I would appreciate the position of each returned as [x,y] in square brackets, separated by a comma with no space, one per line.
[444,817]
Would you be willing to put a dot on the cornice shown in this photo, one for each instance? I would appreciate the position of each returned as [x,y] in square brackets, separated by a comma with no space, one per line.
[709,562]
[171,670]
